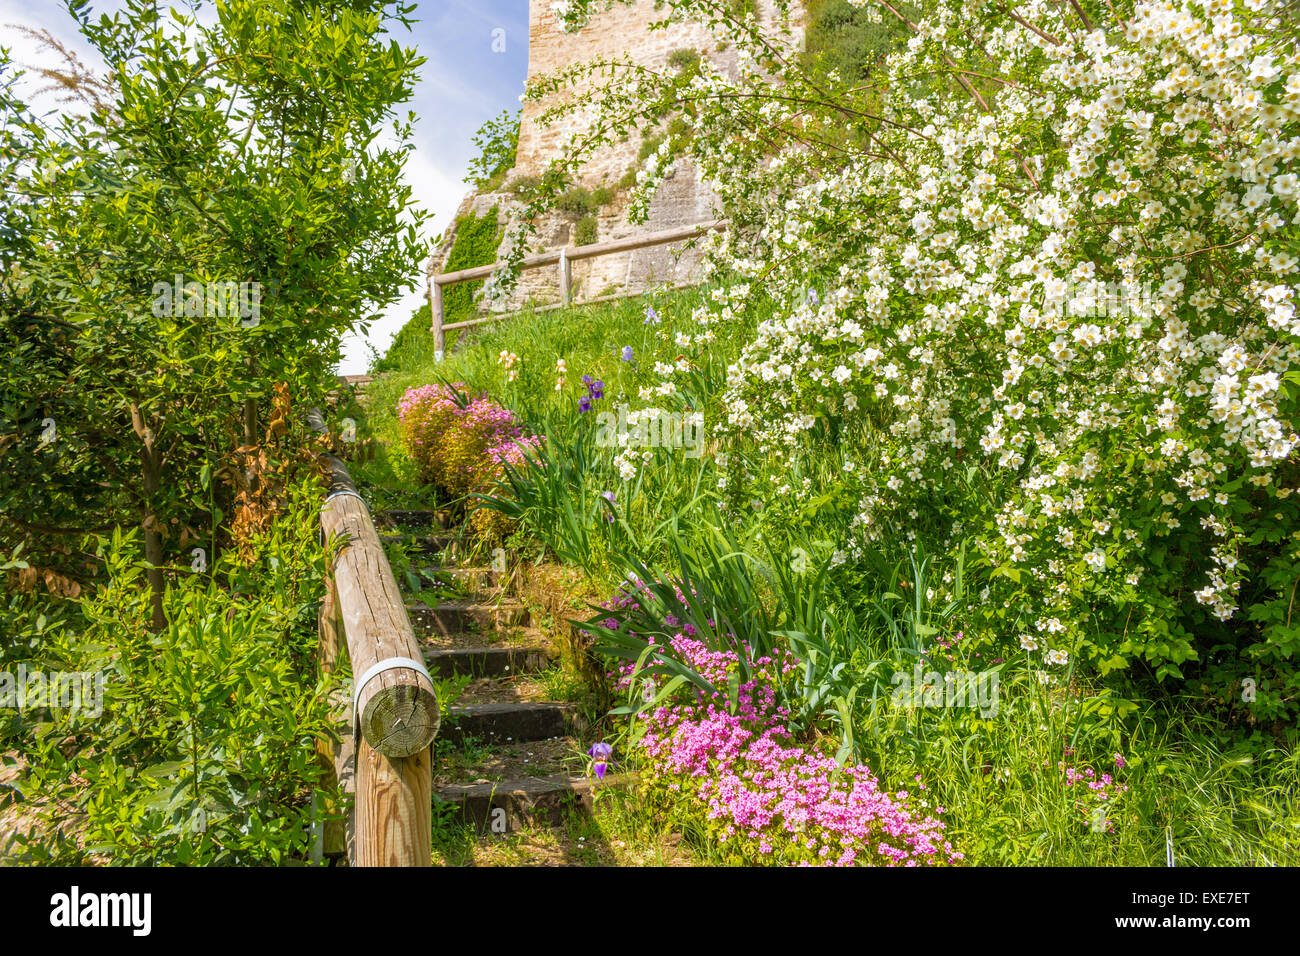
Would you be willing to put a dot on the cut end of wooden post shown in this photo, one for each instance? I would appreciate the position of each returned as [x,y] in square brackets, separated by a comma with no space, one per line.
[402,720]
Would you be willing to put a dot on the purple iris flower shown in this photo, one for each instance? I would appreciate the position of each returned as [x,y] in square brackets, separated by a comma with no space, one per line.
[595,392]
[609,496]
[627,353]
[601,753]
[812,297]
[651,316]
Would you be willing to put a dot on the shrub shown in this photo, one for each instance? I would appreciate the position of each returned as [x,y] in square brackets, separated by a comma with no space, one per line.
[680,128]
[731,759]
[525,187]
[476,242]
[584,233]
[497,141]
[462,445]
[853,40]
[203,749]
[477,238]
[581,201]
[1058,315]
[684,59]
[648,146]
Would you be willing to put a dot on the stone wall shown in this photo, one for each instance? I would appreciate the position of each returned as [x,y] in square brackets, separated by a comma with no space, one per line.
[681,200]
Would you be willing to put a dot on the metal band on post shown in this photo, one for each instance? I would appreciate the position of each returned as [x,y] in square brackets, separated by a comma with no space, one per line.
[343,493]
[378,668]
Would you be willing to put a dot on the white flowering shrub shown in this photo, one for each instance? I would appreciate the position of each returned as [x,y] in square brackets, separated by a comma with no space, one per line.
[1054,242]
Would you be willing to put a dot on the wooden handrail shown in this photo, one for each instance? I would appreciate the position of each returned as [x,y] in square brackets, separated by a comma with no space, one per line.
[395,707]
[564,257]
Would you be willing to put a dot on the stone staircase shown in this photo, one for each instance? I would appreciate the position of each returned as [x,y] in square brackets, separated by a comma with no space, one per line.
[506,758]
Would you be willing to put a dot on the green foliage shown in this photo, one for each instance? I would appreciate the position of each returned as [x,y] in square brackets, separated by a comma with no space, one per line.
[477,238]
[202,750]
[414,338]
[853,40]
[684,59]
[679,128]
[581,201]
[497,140]
[649,145]
[584,231]
[525,187]
[237,149]
[769,566]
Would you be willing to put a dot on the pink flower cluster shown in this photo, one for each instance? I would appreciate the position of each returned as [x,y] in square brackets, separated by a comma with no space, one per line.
[1101,791]
[460,449]
[767,796]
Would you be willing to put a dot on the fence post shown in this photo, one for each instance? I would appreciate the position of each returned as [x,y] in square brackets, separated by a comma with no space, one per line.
[331,836]
[435,307]
[395,713]
[566,277]
[564,257]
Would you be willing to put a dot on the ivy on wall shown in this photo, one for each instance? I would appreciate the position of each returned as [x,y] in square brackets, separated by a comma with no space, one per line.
[477,238]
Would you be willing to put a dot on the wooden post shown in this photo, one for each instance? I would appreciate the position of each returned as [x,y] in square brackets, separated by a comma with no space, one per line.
[332,833]
[395,706]
[565,257]
[435,307]
[394,808]
[566,278]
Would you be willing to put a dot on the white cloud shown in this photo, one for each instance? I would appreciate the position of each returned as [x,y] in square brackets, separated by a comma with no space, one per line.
[440,192]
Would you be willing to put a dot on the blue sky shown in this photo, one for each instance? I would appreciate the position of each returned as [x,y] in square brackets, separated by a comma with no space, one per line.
[464,83]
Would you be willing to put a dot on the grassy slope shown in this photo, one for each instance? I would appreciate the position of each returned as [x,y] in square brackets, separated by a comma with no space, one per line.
[1222,798]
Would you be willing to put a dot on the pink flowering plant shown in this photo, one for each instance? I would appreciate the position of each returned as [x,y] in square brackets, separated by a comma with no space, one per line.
[463,444]
[717,746]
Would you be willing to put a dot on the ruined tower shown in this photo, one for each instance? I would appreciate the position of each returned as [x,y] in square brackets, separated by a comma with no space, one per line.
[682,200]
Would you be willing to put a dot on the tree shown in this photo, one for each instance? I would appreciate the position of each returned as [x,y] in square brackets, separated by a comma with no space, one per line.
[214,227]
[497,141]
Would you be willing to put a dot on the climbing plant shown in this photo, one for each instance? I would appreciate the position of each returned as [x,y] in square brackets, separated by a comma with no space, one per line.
[475,244]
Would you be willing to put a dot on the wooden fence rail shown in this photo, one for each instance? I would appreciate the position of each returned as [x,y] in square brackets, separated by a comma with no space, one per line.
[395,713]
[564,258]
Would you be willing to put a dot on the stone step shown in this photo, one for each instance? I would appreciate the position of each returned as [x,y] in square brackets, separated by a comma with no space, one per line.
[477,580]
[513,804]
[470,640]
[412,520]
[478,585]
[426,547]
[487,661]
[457,617]
[533,720]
